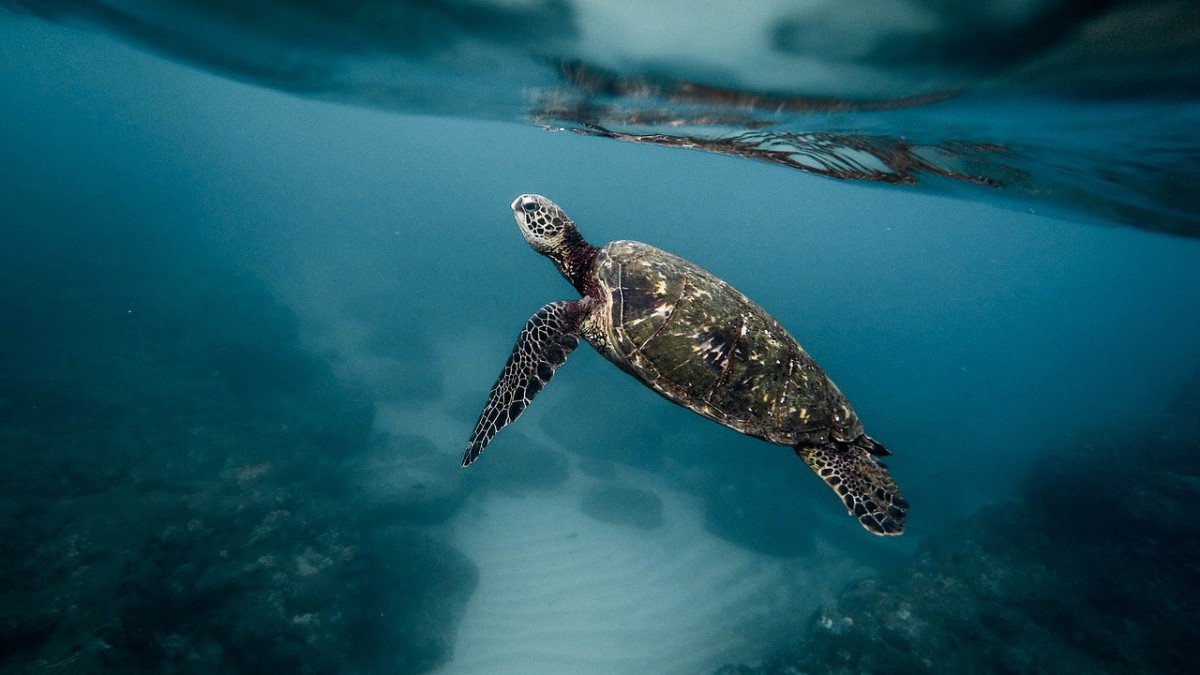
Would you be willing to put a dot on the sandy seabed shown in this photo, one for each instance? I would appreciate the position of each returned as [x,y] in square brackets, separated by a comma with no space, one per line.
[562,592]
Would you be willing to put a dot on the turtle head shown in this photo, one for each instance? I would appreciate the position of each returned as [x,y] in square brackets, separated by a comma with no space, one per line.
[547,229]
[550,232]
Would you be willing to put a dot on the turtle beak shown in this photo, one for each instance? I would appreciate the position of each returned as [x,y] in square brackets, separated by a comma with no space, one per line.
[516,203]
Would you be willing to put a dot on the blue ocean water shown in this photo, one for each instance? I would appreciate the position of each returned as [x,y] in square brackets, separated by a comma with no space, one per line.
[258,271]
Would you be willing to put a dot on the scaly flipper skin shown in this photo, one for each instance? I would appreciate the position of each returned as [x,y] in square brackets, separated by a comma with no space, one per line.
[863,483]
[548,337]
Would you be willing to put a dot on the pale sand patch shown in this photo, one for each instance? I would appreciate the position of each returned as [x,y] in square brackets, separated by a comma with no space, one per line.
[560,592]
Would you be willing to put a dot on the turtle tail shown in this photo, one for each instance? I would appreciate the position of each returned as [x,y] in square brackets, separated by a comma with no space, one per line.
[863,482]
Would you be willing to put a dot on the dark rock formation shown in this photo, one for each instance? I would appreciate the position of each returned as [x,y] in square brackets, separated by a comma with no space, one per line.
[416,592]
[1093,569]
[624,506]
[171,499]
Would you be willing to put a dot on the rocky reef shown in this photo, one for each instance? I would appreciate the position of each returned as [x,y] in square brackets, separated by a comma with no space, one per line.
[178,493]
[1091,569]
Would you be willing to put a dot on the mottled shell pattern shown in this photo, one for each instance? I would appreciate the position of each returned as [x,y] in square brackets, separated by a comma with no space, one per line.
[702,344]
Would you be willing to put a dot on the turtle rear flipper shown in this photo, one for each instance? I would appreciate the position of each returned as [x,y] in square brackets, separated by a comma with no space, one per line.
[863,483]
[548,337]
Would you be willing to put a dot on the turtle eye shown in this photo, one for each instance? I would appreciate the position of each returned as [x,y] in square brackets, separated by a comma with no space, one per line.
[530,207]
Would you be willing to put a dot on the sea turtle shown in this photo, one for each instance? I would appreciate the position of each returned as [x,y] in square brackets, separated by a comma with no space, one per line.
[700,343]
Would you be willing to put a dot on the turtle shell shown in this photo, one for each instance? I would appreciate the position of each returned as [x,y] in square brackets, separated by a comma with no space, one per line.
[702,344]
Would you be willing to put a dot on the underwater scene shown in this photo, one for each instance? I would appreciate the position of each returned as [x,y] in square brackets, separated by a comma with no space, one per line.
[261,264]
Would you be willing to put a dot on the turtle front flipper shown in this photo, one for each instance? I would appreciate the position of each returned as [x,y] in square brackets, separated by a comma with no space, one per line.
[548,337]
[863,482]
